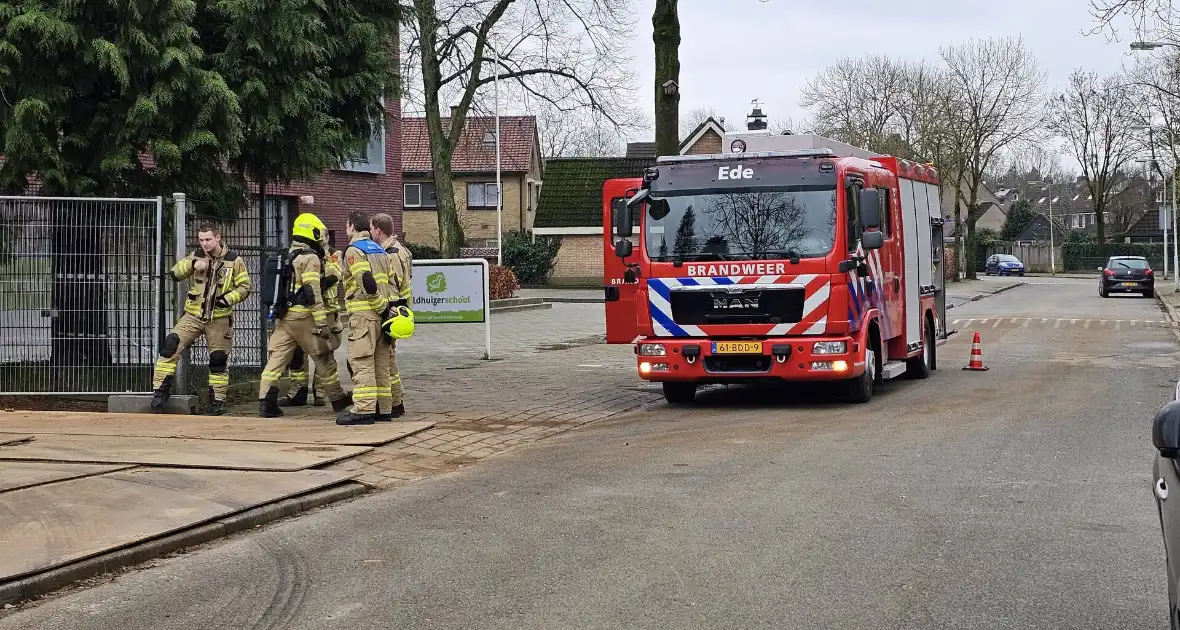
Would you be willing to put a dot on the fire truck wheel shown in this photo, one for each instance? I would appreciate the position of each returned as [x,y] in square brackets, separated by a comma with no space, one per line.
[679,393]
[919,367]
[860,389]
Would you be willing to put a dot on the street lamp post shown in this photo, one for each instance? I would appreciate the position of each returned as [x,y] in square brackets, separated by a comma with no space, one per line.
[1052,239]
[499,192]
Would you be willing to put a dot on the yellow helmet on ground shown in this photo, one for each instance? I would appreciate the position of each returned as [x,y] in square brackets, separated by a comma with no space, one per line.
[308,226]
[400,324]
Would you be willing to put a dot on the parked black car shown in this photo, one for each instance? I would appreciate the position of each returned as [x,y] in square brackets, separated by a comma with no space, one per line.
[1126,274]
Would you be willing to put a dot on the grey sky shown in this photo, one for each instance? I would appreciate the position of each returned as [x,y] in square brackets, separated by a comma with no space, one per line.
[738,50]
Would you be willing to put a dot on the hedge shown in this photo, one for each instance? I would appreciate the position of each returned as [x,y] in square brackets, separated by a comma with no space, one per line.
[1088,256]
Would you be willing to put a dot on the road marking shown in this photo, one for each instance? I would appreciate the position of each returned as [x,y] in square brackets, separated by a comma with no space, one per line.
[1058,324]
[1013,321]
[953,322]
[982,322]
[1132,322]
[1025,324]
[1086,326]
[1103,323]
[1072,322]
[967,324]
[997,324]
[1118,324]
[1044,321]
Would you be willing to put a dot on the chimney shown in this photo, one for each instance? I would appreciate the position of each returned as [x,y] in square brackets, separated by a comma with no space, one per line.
[756,121]
[454,111]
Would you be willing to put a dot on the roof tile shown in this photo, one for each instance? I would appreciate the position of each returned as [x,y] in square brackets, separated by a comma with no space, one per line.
[572,193]
[472,154]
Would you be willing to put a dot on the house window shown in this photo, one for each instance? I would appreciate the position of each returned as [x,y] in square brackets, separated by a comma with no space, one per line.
[420,195]
[1159,196]
[371,159]
[481,195]
[1077,221]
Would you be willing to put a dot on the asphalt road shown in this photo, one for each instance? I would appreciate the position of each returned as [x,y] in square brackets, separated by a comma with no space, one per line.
[1014,498]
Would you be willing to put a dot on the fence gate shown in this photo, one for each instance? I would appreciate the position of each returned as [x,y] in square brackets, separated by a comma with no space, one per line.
[81,287]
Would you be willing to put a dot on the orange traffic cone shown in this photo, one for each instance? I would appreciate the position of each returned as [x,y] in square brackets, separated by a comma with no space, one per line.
[976,362]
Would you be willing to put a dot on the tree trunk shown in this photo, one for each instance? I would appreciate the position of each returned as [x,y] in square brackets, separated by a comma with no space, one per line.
[450,229]
[81,335]
[958,237]
[666,36]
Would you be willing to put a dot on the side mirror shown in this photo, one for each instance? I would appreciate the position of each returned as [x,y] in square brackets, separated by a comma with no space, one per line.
[1165,431]
[872,240]
[623,218]
[870,209]
[623,248]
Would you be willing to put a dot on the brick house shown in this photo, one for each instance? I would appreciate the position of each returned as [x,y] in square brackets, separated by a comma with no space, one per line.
[473,165]
[571,206]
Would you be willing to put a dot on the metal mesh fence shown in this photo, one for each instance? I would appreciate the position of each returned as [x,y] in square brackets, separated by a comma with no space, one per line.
[80,294]
[250,331]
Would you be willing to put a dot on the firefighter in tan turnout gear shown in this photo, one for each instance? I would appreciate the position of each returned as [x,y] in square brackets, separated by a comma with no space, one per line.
[302,320]
[400,272]
[219,280]
[367,295]
[298,369]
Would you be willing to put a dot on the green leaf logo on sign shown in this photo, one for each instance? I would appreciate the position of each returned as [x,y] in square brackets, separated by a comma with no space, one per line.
[436,282]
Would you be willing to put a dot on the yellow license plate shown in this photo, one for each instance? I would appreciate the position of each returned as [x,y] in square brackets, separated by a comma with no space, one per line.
[737,347]
[1130,284]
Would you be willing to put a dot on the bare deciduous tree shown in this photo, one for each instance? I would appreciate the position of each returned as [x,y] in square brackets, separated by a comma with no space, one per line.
[579,134]
[1092,115]
[568,54]
[997,87]
[1156,18]
[693,119]
[855,100]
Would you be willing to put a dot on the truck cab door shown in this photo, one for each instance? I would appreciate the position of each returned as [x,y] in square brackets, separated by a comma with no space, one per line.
[622,300]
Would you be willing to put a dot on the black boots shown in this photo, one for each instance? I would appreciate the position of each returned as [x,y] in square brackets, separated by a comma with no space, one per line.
[397,411]
[340,405]
[298,400]
[268,407]
[216,407]
[349,418]
[319,400]
[160,396]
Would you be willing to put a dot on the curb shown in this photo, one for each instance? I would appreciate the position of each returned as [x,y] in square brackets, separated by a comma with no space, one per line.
[1171,313]
[979,296]
[33,586]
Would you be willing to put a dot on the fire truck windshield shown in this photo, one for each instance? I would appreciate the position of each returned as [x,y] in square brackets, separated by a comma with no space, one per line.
[741,224]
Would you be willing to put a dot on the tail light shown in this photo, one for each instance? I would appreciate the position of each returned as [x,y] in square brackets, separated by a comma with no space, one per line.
[1108,272]
[1148,272]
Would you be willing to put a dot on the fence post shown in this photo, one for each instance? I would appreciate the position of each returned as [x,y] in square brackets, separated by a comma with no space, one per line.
[181,383]
[161,320]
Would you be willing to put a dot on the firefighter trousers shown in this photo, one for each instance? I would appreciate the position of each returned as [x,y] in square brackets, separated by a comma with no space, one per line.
[219,337]
[288,336]
[297,371]
[397,392]
[368,357]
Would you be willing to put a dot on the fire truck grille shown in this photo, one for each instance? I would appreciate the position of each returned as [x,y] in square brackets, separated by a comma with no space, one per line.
[754,306]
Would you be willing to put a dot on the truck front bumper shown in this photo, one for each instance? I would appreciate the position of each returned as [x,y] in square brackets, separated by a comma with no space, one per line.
[824,358]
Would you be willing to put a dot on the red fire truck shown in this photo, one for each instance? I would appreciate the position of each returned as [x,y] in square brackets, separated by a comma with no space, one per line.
[789,257]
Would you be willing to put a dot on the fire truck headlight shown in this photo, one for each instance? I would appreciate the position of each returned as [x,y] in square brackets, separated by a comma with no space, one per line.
[652,350]
[830,347]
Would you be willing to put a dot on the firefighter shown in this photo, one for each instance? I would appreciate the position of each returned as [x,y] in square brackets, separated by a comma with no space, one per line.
[400,271]
[219,281]
[297,371]
[302,319]
[365,272]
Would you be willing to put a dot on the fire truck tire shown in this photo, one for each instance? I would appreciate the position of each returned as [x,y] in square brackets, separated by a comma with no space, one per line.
[919,367]
[679,392]
[860,389]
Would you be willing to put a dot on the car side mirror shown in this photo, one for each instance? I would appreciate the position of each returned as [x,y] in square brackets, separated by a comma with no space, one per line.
[623,248]
[1165,431]
[870,209]
[872,240]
